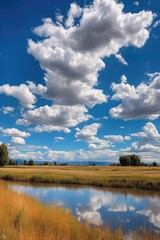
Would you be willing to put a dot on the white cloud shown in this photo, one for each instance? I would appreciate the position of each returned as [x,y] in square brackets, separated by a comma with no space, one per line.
[121,59]
[156,24]
[57,116]
[14,132]
[137,102]
[102,154]
[8,109]
[150,133]
[57,139]
[21,92]
[72,57]
[22,122]
[74,12]
[90,217]
[49,128]
[17,140]
[59,17]
[148,140]
[16,154]
[88,134]
[117,138]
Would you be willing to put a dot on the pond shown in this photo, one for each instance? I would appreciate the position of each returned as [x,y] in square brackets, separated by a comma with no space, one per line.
[126,209]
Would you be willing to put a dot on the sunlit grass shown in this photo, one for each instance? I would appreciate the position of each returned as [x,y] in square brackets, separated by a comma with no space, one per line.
[25,218]
[130,177]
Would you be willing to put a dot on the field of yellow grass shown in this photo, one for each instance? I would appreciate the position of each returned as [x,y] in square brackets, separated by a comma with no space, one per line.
[109,176]
[24,218]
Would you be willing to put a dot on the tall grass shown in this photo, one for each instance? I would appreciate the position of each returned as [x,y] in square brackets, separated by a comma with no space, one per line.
[24,218]
[123,177]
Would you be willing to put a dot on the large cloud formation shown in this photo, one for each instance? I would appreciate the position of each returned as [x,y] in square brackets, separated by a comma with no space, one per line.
[137,102]
[71,55]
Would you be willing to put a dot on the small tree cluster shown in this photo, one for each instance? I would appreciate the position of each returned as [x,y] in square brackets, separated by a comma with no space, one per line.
[31,162]
[129,160]
[12,162]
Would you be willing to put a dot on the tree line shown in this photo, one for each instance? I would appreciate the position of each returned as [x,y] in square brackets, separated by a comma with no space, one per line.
[126,160]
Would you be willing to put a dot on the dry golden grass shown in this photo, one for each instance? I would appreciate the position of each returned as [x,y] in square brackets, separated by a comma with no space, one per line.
[131,177]
[24,218]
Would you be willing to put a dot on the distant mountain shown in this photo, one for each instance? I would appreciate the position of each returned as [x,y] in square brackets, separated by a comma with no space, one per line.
[70,163]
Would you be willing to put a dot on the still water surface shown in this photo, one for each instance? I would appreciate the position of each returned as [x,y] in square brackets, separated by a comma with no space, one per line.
[127,209]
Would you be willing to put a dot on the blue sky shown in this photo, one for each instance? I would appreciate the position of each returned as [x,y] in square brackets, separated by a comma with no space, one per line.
[80,80]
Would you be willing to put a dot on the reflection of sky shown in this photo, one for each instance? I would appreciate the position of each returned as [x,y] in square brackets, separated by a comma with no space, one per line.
[99,207]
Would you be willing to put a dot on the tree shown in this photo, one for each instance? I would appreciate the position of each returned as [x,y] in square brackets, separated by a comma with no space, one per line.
[125,161]
[45,163]
[31,162]
[130,160]
[10,162]
[135,160]
[25,162]
[154,164]
[3,154]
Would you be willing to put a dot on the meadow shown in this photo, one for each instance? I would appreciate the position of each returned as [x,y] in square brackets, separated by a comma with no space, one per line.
[24,218]
[109,176]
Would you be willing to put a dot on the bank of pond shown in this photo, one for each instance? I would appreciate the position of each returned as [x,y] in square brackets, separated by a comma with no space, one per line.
[56,212]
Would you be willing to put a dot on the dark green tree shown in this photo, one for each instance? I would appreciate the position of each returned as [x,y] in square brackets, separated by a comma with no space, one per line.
[25,162]
[135,160]
[125,161]
[45,163]
[31,162]
[154,164]
[4,158]
[10,161]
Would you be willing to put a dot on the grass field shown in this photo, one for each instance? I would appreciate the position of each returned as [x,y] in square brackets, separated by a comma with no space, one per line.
[124,177]
[24,218]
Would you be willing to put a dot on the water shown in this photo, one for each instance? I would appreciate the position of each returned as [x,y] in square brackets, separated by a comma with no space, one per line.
[127,209]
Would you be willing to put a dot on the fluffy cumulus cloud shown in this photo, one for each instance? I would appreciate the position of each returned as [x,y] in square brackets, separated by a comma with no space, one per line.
[14,132]
[88,134]
[8,109]
[17,140]
[116,138]
[17,154]
[71,55]
[56,116]
[149,133]
[49,128]
[95,154]
[21,92]
[74,12]
[148,140]
[137,102]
